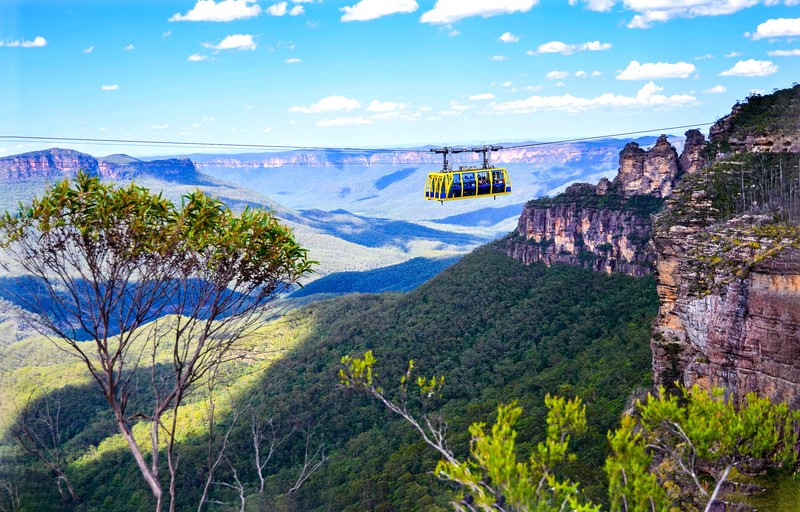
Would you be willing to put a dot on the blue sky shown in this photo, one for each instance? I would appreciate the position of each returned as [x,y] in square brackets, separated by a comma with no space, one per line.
[381,73]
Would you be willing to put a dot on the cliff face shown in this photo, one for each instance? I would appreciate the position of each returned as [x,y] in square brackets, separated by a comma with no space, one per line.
[53,164]
[743,335]
[605,239]
[729,300]
[57,164]
[606,227]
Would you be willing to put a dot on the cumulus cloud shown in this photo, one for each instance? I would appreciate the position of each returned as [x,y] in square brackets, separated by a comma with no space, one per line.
[717,89]
[282,9]
[130,47]
[751,68]
[497,57]
[734,54]
[781,27]
[484,96]
[557,75]
[328,104]
[649,12]
[292,61]
[196,57]
[372,9]
[344,121]
[657,70]
[508,37]
[234,42]
[597,5]
[226,10]
[113,87]
[647,96]
[784,53]
[567,49]
[450,11]
[37,42]
[385,106]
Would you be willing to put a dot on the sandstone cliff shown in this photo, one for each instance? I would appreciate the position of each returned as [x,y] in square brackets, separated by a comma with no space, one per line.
[57,164]
[606,227]
[728,260]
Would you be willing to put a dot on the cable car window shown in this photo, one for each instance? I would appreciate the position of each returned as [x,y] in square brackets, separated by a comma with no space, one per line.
[455,187]
[498,183]
[469,184]
[484,187]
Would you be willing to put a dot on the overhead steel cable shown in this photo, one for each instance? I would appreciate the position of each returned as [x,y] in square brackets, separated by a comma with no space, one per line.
[279,147]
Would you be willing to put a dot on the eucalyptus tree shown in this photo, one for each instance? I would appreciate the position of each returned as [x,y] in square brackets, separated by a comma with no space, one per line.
[143,290]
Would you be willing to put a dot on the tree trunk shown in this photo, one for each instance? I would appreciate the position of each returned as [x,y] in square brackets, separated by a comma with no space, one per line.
[150,478]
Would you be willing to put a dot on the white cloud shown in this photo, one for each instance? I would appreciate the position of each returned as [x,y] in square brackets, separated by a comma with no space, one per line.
[507,84]
[89,49]
[649,12]
[130,47]
[597,5]
[734,54]
[292,61]
[234,42]
[784,53]
[781,27]
[657,70]
[508,37]
[166,34]
[751,68]
[647,96]
[557,75]
[458,107]
[160,126]
[704,57]
[328,104]
[196,57]
[717,89]
[372,9]
[385,106]
[484,96]
[497,57]
[450,11]
[114,87]
[567,49]
[37,42]
[344,121]
[278,9]
[267,130]
[581,74]
[596,73]
[226,10]
[297,10]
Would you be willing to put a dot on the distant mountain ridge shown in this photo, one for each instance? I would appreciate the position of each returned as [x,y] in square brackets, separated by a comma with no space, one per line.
[56,164]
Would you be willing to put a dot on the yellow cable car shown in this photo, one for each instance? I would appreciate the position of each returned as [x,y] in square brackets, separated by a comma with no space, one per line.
[467,182]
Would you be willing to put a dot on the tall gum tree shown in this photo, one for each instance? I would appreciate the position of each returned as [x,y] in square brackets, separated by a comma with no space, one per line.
[142,290]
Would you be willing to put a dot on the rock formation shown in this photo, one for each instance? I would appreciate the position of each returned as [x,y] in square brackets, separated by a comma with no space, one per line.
[605,239]
[606,227]
[651,172]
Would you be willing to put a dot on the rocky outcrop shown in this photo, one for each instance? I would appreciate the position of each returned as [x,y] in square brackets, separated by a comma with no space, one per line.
[606,227]
[693,157]
[652,172]
[761,124]
[743,335]
[604,239]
